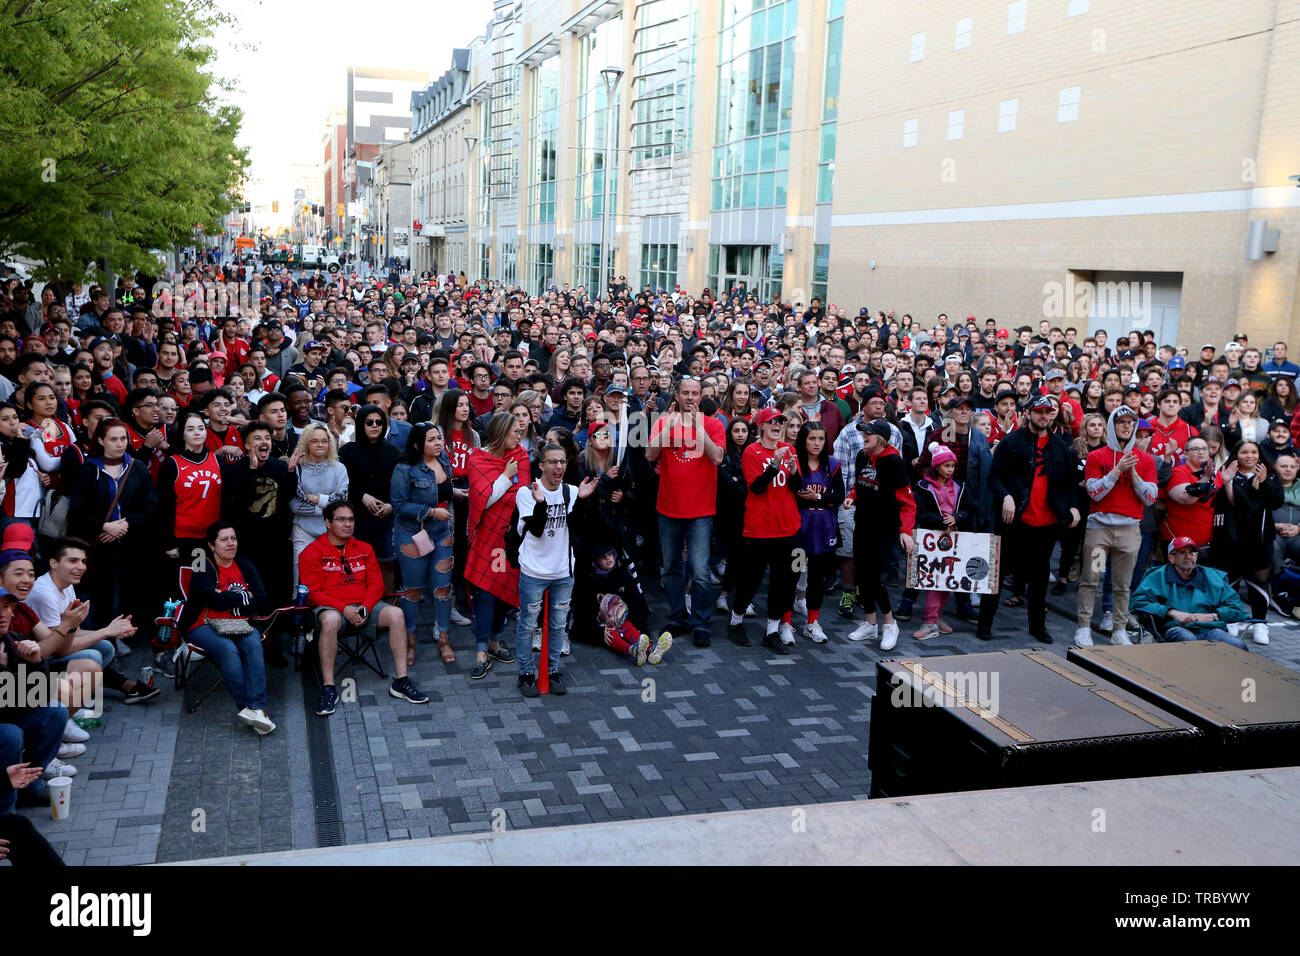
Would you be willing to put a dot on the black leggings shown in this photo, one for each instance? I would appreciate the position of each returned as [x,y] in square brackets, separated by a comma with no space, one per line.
[820,567]
[757,556]
[27,848]
[871,557]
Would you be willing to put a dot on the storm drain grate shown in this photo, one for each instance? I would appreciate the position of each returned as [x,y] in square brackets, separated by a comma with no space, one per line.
[324,785]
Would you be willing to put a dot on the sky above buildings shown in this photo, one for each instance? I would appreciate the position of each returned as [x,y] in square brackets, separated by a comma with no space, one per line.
[290,59]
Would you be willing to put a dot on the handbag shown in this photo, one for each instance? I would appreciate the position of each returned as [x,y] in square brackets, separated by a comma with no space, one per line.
[53,522]
[121,486]
[229,626]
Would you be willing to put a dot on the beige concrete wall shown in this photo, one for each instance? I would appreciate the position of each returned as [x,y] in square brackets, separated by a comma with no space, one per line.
[1177,99]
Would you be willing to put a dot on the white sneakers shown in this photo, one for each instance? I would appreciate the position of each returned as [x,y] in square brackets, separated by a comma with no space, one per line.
[1259,634]
[565,649]
[58,768]
[1083,637]
[866,631]
[889,636]
[459,619]
[68,751]
[787,633]
[1120,637]
[813,631]
[722,603]
[801,607]
[72,734]
[119,648]
[1107,622]
[259,720]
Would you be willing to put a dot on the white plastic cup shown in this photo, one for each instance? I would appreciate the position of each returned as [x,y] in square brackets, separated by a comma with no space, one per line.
[60,797]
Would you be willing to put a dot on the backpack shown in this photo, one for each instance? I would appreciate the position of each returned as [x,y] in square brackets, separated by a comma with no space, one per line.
[515,538]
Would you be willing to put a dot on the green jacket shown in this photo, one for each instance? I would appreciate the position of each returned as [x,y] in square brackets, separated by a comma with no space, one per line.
[1207,591]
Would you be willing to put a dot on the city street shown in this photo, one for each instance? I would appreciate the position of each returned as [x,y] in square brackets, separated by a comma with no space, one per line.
[723,728]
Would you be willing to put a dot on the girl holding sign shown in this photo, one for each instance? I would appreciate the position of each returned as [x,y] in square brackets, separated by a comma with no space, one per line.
[940,505]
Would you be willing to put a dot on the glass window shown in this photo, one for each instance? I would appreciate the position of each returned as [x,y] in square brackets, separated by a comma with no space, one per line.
[541,267]
[600,48]
[1067,104]
[1007,115]
[544,141]
[659,266]
[821,271]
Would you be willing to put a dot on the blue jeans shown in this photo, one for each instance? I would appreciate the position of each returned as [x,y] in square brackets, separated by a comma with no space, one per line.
[423,573]
[694,533]
[489,617]
[102,654]
[1177,633]
[530,613]
[240,661]
[39,732]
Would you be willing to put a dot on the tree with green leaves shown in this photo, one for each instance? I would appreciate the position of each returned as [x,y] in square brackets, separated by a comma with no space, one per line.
[113,137]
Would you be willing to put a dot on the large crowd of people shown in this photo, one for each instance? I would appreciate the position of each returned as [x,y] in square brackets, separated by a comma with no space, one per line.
[366,446]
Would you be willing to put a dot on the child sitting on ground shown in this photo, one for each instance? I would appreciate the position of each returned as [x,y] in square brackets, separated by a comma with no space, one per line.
[609,608]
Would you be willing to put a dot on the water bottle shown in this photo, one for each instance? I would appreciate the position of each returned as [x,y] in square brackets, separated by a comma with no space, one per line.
[165,631]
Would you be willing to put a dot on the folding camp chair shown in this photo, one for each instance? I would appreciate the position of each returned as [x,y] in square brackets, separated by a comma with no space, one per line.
[189,658]
[353,645]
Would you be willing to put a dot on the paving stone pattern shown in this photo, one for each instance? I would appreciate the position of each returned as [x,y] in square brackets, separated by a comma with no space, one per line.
[722,728]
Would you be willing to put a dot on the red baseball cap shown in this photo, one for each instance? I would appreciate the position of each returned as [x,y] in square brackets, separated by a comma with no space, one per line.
[769,415]
[1003,334]
[1182,543]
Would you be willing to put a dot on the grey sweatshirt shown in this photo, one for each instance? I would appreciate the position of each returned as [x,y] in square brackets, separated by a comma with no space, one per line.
[330,481]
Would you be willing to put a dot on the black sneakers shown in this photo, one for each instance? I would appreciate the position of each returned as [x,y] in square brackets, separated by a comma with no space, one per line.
[773,641]
[329,700]
[528,685]
[480,668]
[140,694]
[904,610]
[404,689]
[738,636]
[1042,637]
[558,685]
[502,653]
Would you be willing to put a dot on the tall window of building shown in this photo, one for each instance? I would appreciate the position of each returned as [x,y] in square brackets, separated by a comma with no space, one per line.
[508,263]
[830,103]
[544,141]
[600,48]
[659,266]
[663,73]
[541,266]
[586,266]
[821,270]
[751,154]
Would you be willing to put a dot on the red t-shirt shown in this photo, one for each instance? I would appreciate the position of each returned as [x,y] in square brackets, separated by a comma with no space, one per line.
[1038,513]
[1195,521]
[228,579]
[773,513]
[458,449]
[230,436]
[688,481]
[481,406]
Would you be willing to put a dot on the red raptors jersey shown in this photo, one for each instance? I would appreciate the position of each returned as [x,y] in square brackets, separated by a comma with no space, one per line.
[459,450]
[230,437]
[156,455]
[198,495]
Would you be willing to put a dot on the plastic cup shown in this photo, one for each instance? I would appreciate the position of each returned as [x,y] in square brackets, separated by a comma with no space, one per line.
[60,797]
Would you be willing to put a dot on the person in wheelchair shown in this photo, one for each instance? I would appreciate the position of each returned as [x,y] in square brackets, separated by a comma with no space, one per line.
[346,587]
[1186,602]
[223,594]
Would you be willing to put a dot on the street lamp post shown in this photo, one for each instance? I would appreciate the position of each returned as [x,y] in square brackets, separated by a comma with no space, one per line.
[471,222]
[410,235]
[611,75]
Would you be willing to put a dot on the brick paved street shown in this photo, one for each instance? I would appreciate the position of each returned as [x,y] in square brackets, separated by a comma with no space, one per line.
[723,728]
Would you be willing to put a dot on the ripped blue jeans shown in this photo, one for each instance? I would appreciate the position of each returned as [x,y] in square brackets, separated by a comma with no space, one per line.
[530,616]
[430,572]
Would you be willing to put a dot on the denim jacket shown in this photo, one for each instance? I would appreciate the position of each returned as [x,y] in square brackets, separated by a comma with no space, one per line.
[415,491]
